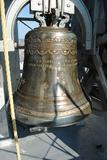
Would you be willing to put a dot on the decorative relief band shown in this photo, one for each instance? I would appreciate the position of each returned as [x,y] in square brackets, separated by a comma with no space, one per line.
[45,100]
[51,46]
[51,40]
[42,52]
[73,111]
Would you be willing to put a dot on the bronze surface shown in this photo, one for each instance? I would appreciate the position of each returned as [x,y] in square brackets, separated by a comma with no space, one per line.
[50,91]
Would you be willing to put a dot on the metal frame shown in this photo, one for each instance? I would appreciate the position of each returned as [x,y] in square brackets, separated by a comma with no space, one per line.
[87,22]
[96,56]
[17,5]
[11,16]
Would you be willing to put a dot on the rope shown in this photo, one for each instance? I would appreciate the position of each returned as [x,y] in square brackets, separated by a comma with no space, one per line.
[8,75]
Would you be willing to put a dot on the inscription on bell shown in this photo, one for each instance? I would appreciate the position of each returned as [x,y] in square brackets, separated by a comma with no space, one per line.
[53,64]
[51,94]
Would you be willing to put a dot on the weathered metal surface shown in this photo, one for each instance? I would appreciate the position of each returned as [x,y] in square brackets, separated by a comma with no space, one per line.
[50,92]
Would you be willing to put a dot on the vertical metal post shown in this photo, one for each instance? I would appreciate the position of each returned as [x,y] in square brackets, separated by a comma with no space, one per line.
[43,6]
[57,4]
[62,7]
[49,6]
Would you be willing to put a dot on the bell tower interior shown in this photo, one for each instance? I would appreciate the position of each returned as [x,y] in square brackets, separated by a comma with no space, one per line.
[57,54]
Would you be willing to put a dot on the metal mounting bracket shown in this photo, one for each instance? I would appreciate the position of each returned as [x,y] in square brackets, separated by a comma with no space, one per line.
[17,5]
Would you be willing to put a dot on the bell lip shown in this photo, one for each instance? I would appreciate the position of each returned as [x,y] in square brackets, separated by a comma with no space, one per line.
[55,121]
[58,122]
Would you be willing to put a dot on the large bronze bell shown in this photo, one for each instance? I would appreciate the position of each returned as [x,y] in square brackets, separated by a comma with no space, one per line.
[50,93]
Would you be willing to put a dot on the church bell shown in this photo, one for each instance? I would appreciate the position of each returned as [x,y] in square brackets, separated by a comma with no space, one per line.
[50,93]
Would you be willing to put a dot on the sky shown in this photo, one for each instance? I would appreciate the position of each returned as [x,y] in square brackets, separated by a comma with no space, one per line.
[21,27]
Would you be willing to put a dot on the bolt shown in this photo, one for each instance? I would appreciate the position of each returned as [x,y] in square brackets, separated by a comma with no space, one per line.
[68,5]
[39,4]
[100,148]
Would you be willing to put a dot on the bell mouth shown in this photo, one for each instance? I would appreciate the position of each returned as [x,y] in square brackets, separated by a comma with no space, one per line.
[50,93]
[66,119]
[63,122]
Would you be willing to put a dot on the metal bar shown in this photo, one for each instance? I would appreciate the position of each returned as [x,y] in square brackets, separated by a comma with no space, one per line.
[26,25]
[57,5]
[20,47]
[25,19]
[43,5]
[20,44]
[99,68]
[62,7]
[49,6]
